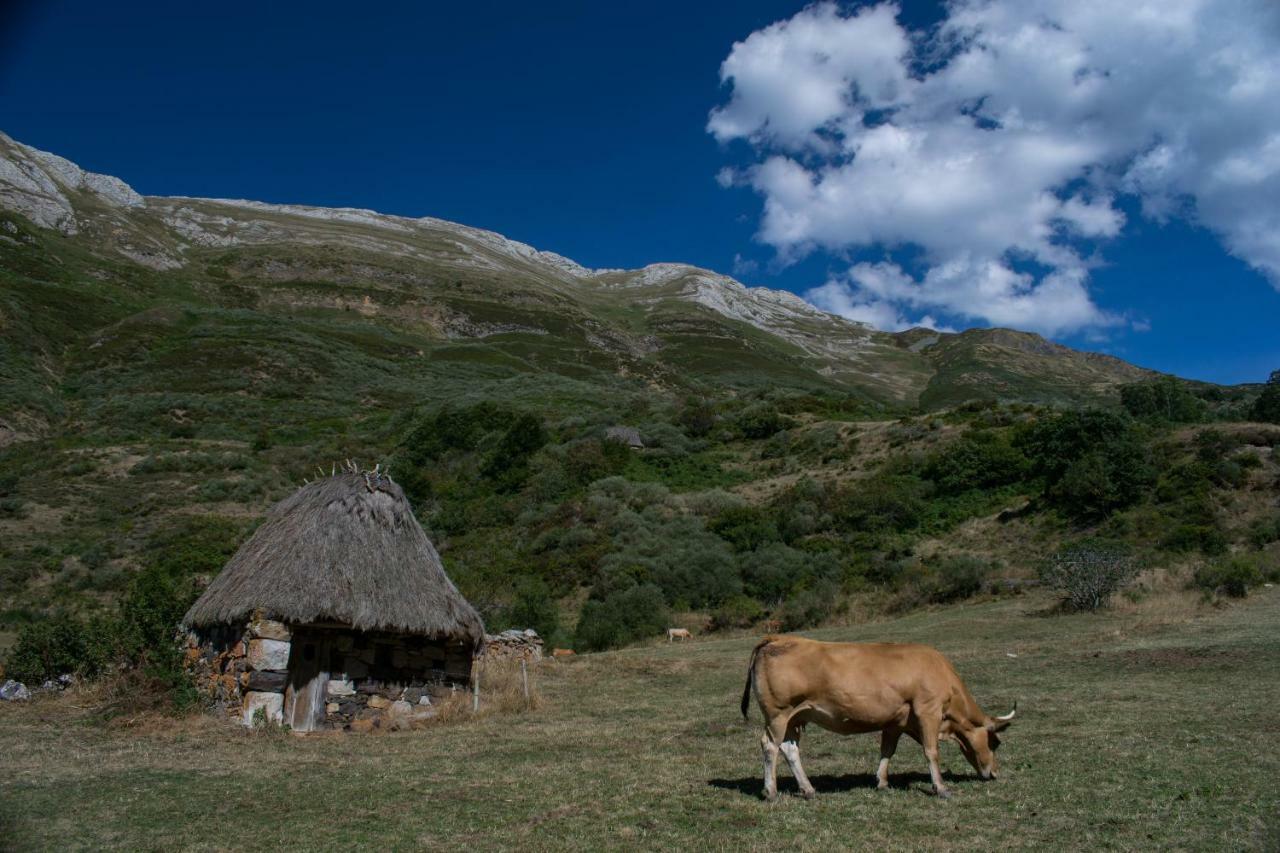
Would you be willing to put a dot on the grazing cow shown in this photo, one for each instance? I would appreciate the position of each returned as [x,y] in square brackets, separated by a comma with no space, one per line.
[562,653]
[850,688]
[680,634]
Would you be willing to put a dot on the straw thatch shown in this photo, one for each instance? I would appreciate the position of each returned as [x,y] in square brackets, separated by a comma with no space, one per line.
[343,549]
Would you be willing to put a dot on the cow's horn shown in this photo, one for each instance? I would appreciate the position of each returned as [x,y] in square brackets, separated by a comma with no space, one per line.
[1009,716]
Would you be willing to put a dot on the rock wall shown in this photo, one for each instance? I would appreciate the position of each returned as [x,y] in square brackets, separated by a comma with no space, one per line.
[376,680]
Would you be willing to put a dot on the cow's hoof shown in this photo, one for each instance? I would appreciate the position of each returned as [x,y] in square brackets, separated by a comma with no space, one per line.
[770,796]
[883,786]
[943,794]
[809,795]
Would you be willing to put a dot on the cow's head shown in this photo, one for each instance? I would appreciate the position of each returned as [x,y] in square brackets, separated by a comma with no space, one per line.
[980,742]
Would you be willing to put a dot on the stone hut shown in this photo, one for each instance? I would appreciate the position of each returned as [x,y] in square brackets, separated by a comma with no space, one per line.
[335,614]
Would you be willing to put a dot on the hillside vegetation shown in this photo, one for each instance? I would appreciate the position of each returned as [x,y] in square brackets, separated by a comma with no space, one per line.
[171,367]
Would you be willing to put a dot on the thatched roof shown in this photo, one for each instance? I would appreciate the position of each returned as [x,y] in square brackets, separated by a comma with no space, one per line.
[345,549]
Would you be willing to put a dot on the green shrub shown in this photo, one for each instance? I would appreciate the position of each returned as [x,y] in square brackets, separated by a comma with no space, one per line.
[1267,407]
[623,617]
[761,420]
[533,607]
[979,460]
[1232,576]
[1205,538]
[741,611]
[745,528]
[61,644]
[808,607]
[1088,575]
[955,579]
[1264,531]
[13,507]
[1166,399]
[882,503]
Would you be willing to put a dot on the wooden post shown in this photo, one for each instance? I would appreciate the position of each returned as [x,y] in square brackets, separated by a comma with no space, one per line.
[524,676]
[475,687]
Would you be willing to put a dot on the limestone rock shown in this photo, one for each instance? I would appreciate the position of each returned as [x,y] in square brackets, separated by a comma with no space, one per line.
[340,687]
[400,708]
[268,654]
[332,708]
[14,691]
[272,704]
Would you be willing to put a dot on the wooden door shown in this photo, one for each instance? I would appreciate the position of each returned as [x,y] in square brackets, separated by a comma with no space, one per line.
[308,677]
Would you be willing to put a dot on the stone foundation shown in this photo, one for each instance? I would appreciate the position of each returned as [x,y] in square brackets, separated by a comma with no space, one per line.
[376,680]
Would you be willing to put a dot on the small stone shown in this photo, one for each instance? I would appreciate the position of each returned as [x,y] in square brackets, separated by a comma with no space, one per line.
[268,654]
[340,687]
[332,708]
[363,726]
[425,700]
[14,691]
[401,709]
[376,701]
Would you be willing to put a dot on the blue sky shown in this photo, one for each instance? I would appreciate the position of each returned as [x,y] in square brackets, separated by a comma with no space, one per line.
[583,128]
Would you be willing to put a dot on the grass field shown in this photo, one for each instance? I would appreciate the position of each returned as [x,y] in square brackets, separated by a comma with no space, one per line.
[1134,731]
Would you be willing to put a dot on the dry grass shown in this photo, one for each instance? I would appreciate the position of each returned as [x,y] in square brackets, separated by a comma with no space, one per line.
[1133,733]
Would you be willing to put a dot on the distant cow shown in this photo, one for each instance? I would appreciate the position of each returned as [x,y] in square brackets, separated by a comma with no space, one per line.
[850,688]
[680,634]
[562,653]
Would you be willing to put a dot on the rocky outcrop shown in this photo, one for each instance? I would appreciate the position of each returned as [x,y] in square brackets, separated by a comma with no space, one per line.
[37,184]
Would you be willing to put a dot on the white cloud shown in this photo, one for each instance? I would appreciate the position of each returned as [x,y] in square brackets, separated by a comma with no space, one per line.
[1009,151]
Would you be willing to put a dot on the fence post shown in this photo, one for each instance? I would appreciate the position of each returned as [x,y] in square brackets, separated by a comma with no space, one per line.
[475,689]
[524,676]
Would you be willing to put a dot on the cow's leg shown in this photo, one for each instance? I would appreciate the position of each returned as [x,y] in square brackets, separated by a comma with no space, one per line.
[770,750]
[888,745]
[929,740]
[791,750]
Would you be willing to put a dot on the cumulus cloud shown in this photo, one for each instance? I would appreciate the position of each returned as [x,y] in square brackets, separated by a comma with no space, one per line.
[991,151]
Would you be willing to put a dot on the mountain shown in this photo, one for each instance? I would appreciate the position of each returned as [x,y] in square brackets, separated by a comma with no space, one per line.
[111,301]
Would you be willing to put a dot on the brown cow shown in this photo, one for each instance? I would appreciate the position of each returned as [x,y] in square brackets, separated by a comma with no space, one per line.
[850,688]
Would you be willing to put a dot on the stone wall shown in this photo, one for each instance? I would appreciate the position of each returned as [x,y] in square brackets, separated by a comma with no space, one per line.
[513,645]
[376,680]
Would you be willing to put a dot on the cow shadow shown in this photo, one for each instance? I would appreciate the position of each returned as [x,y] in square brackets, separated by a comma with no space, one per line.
[830,784]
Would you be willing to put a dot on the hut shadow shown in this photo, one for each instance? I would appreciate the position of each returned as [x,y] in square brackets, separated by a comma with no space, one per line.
[828,784]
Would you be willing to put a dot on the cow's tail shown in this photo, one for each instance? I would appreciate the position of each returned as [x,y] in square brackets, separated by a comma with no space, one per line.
[751,675]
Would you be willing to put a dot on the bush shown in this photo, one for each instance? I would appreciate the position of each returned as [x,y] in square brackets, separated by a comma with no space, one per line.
[745,528]
[955,579]
[807,607]
[882,503]
[1088,575]
[1231,576]
[741,611]
[534,607]
[623,617]
[979,460]
[1267,407]
[1166,399]
[1264,531]
[61,644]
[761,420]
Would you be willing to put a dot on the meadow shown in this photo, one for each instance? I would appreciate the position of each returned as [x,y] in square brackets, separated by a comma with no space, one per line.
[1149,726]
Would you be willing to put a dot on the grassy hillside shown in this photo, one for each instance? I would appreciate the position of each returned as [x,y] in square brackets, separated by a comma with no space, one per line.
[169,368]
[1149,727]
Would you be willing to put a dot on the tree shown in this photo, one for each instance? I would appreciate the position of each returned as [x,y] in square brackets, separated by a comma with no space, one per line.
[1267,406]
[1166,399]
